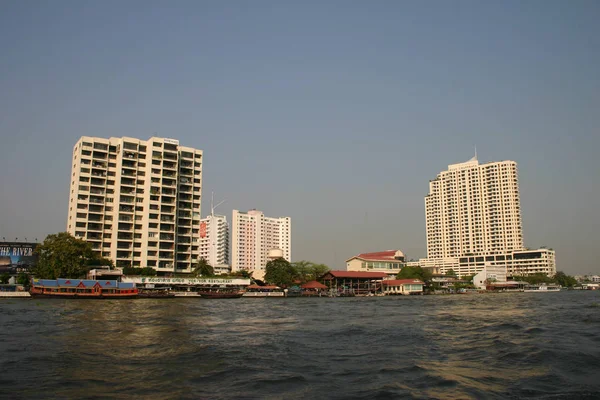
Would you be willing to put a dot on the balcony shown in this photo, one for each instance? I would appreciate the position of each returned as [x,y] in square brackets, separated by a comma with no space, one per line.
[128,209]
[170,165]
[165,236]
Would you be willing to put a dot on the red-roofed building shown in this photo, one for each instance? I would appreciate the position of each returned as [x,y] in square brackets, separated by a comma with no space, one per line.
[354,283]
[403,286]
[389,262]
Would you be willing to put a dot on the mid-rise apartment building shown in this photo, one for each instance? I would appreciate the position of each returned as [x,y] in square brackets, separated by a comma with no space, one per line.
[253,235]
[137,201]
[214,240]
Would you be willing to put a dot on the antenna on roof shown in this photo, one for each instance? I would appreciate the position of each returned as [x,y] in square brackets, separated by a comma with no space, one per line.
[475,152]
[212,208]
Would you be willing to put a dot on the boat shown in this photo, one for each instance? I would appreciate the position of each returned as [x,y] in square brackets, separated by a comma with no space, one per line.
[156,294]
[221,294]
[83,289]
[541,288]
[264,291]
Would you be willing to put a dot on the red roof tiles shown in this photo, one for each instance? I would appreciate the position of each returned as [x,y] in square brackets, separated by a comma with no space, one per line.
[388,255]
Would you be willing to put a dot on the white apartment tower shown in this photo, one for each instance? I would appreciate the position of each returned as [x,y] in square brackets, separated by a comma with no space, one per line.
[214,240]
[137,202]
[253,235]
[474,209]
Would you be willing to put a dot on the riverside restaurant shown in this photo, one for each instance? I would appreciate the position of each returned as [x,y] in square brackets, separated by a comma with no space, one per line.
[354,283]
[186,285]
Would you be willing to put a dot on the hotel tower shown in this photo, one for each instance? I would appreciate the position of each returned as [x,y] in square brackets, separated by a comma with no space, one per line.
[137,201]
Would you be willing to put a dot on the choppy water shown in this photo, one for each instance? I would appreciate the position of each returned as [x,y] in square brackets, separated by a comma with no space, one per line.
[539,345]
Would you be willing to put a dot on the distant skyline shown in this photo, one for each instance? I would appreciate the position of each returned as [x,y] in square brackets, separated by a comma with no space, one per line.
[334,113]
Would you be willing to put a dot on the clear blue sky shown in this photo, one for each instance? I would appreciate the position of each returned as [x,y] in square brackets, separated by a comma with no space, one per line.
[336,113]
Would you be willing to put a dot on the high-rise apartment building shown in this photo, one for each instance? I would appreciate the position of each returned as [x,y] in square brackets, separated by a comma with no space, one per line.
[214,240]
[253,235]
[137,202]
[473,221]
[474,209]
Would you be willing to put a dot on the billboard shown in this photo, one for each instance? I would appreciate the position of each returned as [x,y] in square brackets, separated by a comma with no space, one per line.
[17,257]
[203,229]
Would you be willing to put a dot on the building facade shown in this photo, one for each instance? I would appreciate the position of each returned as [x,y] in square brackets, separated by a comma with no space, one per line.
[390,262]
[253,235]
[473,220]
[214,240]
[474,209]
[137,201]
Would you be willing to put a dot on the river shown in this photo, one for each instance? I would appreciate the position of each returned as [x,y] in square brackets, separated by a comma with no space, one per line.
[517,345]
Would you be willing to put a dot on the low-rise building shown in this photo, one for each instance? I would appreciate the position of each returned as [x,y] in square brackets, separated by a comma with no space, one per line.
[402,287]
[516,263]
[489,274]
[389,261]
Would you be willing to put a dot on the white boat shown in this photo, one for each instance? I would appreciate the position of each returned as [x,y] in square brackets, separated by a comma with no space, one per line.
[542,287]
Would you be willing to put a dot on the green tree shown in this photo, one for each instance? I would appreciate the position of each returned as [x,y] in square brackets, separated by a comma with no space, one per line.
[535,278]
[203,268]
[451,273]
[63,256]
[303,270]
[565,280]
[240,273]
[308,271]
[101,262]
[4,278]
[23,279]
[147,271]
[280,272]
[318,270]
[414,273]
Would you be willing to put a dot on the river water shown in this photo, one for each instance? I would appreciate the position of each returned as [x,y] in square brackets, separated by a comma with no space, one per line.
[518,345]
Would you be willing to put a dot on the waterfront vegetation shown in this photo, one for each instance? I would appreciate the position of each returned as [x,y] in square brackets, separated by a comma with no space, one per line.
[559,278]
[282,273]
[62,255]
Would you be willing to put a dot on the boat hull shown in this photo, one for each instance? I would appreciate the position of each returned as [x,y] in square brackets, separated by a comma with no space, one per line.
[209,295]
[83,296]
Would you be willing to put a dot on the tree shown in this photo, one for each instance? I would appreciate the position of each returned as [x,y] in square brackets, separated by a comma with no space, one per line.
[414,273]
[101,262]
[203,268]
[451,273]
[242,273]
[280,272]
[308,271]
[148,271]
[63,256]
[318,270]
[23,279]
[4,278]
[565,280]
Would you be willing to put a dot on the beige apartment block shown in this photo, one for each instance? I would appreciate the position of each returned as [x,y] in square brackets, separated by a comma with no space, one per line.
[474,209]
[473,222]
[253,235]
[137,201]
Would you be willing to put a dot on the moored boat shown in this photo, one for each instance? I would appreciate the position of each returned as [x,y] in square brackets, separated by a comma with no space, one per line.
[82,289]
[224,294]
[541,288]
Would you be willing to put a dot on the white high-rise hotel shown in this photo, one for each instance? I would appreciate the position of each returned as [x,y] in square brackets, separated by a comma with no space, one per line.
[253,236]
[473,220]
[137,202]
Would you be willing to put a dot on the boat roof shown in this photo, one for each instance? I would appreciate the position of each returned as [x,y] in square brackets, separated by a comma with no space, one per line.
[87,283]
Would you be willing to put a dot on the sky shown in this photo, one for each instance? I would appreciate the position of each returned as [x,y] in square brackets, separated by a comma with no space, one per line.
[334,113]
